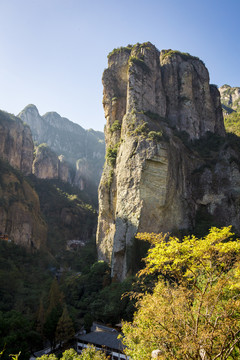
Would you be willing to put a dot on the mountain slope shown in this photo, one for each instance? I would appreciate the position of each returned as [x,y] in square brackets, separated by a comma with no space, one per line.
[70,140]
[62,213]
[230,99]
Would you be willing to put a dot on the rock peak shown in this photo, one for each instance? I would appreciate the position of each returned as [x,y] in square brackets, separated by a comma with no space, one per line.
[171,84]
[29,108]
[150,98]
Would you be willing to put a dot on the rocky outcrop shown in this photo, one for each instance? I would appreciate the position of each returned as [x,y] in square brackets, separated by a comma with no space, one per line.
[47,165]
[70,140]
[169,165]
[65,210]
[230,97]
[20,216]
[16,144]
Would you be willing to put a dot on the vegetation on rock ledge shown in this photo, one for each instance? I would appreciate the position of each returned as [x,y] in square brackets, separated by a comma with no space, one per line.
[121,49]
[140,62]
[111,154]
[184,56]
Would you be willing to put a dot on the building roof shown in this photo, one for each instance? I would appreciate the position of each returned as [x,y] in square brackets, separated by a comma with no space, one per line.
[103,336]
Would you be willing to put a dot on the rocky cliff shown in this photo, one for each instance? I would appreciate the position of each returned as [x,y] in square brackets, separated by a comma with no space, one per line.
[70,140]
[230,98]
[47,165]
[16,144]
[61,214]
[20,215]
[170,166]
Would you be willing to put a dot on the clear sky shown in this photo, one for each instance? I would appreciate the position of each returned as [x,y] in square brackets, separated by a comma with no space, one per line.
[53,52]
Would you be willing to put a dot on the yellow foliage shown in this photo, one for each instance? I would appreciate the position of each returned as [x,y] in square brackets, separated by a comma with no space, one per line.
[196,313]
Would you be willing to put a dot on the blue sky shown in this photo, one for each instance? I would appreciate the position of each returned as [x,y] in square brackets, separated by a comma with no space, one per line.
[53,52]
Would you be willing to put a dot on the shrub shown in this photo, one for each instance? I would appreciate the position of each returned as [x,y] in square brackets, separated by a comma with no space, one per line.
[141,129]
[155,135]
[115,126]
[184,56]
[111,154]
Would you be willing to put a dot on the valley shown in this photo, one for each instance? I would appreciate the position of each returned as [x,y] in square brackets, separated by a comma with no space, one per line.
[70,210]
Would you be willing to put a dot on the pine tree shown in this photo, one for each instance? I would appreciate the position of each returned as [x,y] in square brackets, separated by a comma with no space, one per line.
[55,297]
[40,318]
[54,312]
[65,329]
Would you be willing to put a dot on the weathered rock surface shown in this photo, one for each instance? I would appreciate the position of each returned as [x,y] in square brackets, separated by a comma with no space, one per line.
[70,140]
[66,213]
[20,216]
[47,165]
[16,144]
[169,164]
[230,97]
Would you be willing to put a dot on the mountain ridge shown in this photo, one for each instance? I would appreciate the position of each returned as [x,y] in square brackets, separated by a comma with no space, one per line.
[73,142]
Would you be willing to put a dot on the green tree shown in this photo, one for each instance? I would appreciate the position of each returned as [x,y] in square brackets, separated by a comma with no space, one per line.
[90,353]
[54,312]
[50,326]
[65,329]
[55,296]
[40,318]
[15,334]
[193,310]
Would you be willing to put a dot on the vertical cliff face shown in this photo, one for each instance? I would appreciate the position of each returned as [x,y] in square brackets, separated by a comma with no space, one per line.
[230,97]
[20,215]
[158,106]
[47,165]
[16,144]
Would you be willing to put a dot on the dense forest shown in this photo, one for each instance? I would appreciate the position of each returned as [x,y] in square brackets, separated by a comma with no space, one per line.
[35,294]
[40,290]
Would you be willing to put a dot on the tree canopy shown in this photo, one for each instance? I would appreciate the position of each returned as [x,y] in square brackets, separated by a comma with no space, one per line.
[193,310]
[90,353]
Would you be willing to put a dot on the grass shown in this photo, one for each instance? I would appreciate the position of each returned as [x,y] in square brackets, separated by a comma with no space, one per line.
[184,56]
[120,50]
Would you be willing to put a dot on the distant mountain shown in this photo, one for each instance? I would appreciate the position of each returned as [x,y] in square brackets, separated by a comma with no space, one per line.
[76,144]
[230,99]
[39,209]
